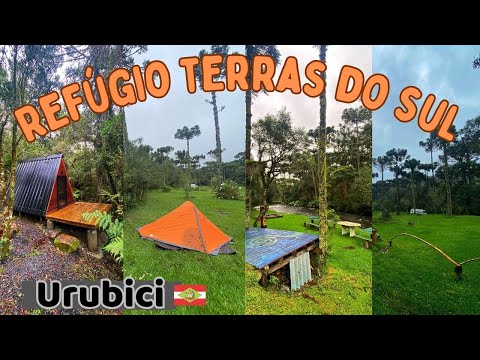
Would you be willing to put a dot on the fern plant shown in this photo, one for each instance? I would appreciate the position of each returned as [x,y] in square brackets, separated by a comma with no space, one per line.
[113,229]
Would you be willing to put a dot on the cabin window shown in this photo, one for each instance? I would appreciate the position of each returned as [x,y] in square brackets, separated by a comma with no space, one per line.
[61,191]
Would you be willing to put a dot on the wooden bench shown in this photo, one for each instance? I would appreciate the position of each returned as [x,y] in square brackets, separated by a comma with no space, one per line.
[313,224]
[368,241]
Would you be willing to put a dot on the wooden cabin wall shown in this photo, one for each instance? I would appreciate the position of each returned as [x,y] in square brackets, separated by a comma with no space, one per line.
[62,171]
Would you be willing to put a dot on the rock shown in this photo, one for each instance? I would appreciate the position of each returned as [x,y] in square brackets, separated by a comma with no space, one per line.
[97,255]
[52,234]
[66,243]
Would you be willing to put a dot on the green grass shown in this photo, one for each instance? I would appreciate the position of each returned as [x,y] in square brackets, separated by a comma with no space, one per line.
[222,274]
[412,278]
[345,289]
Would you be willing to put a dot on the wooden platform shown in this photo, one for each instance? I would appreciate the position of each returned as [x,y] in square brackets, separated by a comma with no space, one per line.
[72,214]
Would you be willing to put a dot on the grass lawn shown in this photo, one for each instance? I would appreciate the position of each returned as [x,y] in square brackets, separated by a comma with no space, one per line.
[412,278]
[222,274]
[346,288]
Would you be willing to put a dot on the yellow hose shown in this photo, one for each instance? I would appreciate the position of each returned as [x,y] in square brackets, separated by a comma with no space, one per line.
[458,266]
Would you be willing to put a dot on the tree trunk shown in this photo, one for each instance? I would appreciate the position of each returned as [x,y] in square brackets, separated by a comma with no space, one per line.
[447,182]
[3,180]
[322,168]
[413,191]
[398,194]
[248,141]
[8,209]
[433,183]
[218,147]
[357,146]
[187,172]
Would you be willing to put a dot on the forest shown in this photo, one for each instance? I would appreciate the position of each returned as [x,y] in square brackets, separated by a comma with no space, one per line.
[447,183]
[166,168]
[92,147]
[286,162]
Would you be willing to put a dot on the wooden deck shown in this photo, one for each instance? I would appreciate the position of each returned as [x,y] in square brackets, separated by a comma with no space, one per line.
[72,214]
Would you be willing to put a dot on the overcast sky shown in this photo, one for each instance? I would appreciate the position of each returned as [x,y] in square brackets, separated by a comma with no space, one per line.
[305,110]
[157,120]
[445,71]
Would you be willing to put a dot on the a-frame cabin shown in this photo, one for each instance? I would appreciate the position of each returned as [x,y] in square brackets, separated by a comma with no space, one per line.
[43,188]
[42,185]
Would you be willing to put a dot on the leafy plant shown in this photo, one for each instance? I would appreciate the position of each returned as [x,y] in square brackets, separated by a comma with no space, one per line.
[116,200]
[113,229]
[228,190]
[77,194]
[6,246]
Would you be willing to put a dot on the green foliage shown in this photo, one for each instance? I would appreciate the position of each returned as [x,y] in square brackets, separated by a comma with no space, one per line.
[116,200]
[331,215]
[113,229]
[5,247]
[166,188]
[296,179]
[424,185]
[228,190]
[77,194]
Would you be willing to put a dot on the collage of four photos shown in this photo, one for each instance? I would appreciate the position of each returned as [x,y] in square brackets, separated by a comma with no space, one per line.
[277,203]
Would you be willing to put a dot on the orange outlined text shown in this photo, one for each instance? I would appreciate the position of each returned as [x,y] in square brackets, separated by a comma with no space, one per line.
[124,87]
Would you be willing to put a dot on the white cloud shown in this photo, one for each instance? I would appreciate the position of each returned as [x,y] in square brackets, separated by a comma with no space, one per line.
[305,110]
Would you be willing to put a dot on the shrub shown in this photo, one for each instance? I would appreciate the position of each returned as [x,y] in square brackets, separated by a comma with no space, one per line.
[166,188]
[228,190]
[331,215]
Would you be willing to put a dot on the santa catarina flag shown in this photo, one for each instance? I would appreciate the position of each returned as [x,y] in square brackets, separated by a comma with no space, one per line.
[189,295]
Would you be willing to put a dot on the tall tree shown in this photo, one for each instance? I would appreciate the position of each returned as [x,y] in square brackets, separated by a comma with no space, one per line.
[27,72]
[222,50]
[397,156]
[103,59]
[476,62]
[187,134]
[250,52]
[412,165]
[276,141]
[429,146]
[357,117]
[444,146]
[322,165]
[162,153]
[381,163]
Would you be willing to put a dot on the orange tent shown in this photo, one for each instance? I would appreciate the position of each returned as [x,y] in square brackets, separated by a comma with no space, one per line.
[185,227]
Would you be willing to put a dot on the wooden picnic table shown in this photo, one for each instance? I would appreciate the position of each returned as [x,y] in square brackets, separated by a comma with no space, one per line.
[350,225]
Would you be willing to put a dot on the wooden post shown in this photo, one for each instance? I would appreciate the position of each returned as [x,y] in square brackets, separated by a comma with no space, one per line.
[263,220]
[50,225]
[264,279]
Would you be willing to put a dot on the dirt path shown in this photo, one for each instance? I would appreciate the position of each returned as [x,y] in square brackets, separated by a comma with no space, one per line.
[34,257]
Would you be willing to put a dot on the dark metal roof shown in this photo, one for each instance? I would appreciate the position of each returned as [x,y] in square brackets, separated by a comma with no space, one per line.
[34,184]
